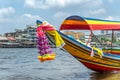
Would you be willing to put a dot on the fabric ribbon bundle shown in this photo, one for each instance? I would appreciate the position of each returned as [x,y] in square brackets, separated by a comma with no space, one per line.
[99,52]
[45,50]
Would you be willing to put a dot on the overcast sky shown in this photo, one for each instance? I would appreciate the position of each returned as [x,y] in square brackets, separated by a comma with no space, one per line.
[16,14]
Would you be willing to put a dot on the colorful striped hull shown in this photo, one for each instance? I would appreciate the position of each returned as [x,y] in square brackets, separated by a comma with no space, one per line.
[82,53]
[112,51]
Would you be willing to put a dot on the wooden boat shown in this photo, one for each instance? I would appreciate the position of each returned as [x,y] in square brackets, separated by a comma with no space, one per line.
[113,50]
[82,52]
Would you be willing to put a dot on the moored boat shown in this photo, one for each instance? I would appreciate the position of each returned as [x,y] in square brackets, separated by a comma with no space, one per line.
[92,57]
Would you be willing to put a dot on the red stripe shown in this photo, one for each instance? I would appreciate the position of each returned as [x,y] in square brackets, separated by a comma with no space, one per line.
[90,27]
[115,53]
[98,68]
[104,26]
[74,27]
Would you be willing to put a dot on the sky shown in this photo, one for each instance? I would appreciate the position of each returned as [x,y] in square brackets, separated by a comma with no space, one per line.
[16,14]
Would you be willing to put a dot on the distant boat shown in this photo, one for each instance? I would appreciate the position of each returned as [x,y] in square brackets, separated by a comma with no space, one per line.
[100,61]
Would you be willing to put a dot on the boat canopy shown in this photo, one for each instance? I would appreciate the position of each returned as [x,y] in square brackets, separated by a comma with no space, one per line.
[83,23]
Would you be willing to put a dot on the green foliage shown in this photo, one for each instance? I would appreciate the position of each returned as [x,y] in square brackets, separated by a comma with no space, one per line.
[105,39]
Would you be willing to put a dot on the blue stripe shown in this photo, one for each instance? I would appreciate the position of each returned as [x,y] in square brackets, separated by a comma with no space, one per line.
[79,18]
[113,56]
[100,20]
[73,40]
[75,17]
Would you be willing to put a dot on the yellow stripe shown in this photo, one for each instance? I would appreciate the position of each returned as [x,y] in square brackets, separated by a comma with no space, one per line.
[98,64]
[79,53]
[75,50]
[87,52]
[101,22]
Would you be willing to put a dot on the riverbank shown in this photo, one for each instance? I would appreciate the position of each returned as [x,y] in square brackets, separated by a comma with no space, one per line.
[17,45]
[20,45]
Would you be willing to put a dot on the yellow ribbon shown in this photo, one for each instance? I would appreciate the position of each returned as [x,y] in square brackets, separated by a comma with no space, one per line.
[58,40]
[98,51]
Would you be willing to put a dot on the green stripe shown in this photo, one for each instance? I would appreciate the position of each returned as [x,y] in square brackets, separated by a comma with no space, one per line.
[87,52]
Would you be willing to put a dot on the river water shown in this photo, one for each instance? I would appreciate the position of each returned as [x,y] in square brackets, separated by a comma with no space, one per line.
[22,64]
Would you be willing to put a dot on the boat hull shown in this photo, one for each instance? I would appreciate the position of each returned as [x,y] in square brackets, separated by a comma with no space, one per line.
[94,63]
[82,53]
[98,68]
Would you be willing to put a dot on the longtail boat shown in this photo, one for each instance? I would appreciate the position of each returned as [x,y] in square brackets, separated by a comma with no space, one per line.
[101,60]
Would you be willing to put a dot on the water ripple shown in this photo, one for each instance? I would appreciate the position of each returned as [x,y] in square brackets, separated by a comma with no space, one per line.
[22,64]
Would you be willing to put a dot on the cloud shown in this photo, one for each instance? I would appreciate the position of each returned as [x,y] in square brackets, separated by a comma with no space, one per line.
[114,18]
[29,19]
[109,18]
[61,14]
[9,24]
[29,16]
[111,1]
[6,14]
[45,4]
[98,11]
[6,11]
[92,3]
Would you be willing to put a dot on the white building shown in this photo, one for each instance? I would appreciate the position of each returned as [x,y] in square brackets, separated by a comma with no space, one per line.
[30,33]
